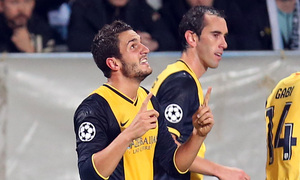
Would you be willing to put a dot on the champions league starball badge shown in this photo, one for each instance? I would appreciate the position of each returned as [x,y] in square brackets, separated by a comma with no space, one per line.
[173,113]
[86,131]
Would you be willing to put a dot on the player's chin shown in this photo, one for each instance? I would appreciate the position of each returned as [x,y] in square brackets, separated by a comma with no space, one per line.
[148,71]
[215,64]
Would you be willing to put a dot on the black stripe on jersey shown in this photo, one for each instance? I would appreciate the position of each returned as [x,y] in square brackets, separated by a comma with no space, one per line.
[124,97]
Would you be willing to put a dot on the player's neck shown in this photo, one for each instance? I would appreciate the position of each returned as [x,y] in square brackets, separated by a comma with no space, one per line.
[194,63]
[127,86]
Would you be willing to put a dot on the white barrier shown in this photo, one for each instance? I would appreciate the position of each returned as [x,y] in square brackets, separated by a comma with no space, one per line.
[3,119]
[45,89]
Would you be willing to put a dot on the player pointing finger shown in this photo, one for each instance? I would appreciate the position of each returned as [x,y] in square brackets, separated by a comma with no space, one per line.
[178,84]
[144,120]
[207,96]
[203,119]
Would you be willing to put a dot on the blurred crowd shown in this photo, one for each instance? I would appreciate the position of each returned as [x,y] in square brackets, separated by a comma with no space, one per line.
[70,25]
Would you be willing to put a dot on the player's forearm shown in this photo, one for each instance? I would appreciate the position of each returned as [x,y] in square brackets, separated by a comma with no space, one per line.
[204,166]
[187,152]
[209,168]
[106,161]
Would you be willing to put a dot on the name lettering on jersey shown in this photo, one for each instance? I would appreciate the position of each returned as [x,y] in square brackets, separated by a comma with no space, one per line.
[142,143]
[284,92]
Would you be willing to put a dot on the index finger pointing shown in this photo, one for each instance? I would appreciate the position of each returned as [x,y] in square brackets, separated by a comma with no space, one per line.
[146,101]
[207,96]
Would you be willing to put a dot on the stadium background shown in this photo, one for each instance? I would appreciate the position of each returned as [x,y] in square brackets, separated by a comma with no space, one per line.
[40,92]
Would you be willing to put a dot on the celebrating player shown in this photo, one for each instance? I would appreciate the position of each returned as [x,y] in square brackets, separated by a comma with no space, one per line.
[282,116]
[202,30]
[120,133]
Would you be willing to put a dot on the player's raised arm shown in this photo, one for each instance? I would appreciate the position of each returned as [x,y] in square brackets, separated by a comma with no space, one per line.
[107,160]
[203,122]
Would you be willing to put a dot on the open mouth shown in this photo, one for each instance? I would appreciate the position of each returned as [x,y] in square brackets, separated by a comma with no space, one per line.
[144,61]
[218,54]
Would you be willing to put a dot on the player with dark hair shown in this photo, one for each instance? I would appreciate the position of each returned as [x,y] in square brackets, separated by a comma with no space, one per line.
[119,130]
[178,90]
[282,121]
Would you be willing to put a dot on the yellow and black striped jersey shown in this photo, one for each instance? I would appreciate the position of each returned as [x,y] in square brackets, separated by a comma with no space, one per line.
[283,130]
[102,116]
[179,93]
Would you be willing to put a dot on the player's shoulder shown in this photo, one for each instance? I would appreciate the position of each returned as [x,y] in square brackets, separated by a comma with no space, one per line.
[91,105]
[183,78]
[180,83]
[182,74]
[94,99]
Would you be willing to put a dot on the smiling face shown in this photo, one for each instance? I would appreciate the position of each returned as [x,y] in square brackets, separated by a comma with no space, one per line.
[134,56]
[17,12]
[212,41]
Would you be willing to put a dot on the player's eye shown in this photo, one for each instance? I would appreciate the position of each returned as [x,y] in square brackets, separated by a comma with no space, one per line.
[216,34]
[133,46]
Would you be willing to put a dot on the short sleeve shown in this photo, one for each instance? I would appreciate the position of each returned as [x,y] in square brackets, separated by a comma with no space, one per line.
[179,102]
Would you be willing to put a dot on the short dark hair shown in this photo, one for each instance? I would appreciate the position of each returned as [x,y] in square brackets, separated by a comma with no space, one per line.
[194,20]
[106,44]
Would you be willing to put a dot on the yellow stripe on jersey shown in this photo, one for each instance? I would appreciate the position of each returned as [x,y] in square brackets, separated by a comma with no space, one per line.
[174,131]
[176,166]
[97,170]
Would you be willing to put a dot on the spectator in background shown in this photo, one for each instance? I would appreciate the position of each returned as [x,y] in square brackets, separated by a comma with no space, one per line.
[22,31]
[259,36]
[155,4]
[88,16]
[284,20]
[57,14]
[173,10]
[273,25]
[44,6]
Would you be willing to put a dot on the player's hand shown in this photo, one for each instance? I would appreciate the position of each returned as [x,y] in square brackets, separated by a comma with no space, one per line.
[144,120]
[203,119]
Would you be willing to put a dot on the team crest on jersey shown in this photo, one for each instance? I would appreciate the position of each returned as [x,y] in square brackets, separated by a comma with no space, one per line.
[86,131]
[173,113]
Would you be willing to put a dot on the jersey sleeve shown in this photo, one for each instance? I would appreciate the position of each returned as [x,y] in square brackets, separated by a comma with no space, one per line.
[92,129]
[179,102]
[165,148]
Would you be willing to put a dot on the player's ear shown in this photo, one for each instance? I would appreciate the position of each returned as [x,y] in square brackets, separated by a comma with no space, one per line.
[113,63]
[191,38]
